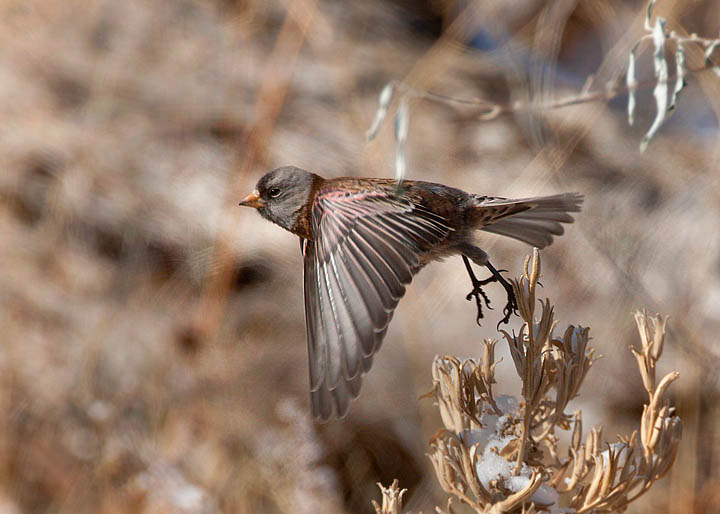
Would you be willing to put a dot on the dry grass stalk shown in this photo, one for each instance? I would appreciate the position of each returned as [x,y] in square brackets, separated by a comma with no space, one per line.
[500,454]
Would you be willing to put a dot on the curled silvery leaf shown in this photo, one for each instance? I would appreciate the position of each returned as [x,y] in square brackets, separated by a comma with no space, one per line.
[402,120]
[383,103]
[632,84]
[680,82]
[661,74]
[648,16]
[708,53]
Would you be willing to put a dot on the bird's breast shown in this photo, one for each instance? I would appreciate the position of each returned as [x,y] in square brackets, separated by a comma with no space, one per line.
[302,226]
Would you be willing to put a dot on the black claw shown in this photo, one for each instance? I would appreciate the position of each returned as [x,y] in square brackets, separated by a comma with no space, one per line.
[511,305]
[509,309]
[479,309]
[478,293]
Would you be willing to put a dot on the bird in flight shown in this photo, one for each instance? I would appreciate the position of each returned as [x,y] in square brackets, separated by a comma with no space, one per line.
[363,239]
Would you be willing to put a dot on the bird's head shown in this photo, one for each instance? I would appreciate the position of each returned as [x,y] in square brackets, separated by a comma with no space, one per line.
[281,194]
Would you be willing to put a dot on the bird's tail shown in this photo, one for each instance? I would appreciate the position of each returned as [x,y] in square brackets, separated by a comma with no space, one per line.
[531,220]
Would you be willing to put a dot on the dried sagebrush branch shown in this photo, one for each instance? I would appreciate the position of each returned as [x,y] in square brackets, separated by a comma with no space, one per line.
[660,36]
[502,454]
[665,100]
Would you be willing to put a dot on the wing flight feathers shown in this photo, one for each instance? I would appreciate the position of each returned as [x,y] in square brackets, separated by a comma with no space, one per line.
[366,250]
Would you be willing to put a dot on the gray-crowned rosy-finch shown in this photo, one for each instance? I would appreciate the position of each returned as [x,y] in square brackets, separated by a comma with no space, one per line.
[362,241]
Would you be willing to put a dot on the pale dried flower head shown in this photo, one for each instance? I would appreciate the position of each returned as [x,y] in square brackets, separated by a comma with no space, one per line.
[391,499]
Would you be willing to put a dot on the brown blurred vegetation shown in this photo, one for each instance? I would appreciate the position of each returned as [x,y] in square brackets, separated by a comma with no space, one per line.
[153,355]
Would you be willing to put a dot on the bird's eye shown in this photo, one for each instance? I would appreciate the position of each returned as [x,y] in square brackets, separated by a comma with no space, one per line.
[274,192]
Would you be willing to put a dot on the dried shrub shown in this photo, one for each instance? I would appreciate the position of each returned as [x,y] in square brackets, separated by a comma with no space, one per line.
[504,454]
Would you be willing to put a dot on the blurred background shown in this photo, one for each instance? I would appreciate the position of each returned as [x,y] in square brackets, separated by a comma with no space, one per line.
[152,354]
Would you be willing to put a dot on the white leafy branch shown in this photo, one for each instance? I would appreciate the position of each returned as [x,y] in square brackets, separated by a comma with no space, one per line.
[666,102]
[660,37]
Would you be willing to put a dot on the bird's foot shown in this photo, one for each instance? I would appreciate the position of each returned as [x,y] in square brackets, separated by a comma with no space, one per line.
[477,291]
[511,307]
[480,296]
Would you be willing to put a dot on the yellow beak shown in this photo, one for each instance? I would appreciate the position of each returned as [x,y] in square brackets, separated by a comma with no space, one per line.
[253,200]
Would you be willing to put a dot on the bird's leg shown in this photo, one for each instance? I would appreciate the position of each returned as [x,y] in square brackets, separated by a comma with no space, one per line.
[511,305]
[479,257]
[477,291]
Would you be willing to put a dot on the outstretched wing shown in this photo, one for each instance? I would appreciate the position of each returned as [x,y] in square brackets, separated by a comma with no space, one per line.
[366,249]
